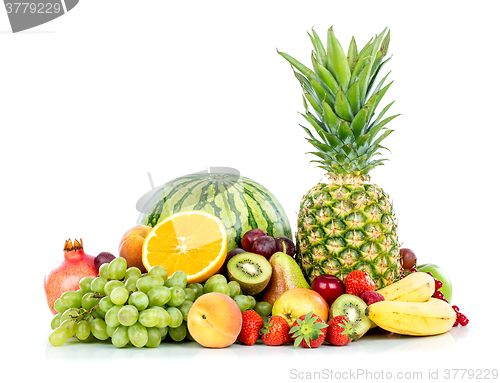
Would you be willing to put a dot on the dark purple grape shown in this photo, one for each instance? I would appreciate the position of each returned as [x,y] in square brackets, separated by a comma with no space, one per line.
[290,247]
[103,257]
[250,237]
[265,246]
[230,254]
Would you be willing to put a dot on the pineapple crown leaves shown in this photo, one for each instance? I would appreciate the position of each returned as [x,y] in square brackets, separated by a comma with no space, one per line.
[343,93]
[306,330]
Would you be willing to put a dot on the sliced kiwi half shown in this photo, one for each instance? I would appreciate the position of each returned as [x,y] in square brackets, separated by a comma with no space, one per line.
[251,271]
[353,308]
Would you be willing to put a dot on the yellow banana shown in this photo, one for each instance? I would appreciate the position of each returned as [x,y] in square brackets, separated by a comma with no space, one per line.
[413,318]
[416,287]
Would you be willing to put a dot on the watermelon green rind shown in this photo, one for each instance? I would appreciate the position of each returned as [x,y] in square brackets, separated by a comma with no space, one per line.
[241,203]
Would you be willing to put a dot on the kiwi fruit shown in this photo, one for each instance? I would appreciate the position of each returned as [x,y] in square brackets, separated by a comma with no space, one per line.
[251,271]
[353,308]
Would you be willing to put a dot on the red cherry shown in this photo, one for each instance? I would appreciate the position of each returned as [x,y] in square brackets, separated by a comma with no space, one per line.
[438,295]
[462,319]
[438,284]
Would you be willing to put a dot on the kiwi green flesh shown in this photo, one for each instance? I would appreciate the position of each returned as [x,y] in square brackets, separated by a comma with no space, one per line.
[251,271]
[353,308]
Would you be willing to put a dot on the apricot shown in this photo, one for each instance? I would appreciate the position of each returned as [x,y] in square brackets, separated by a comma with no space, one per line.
[131,246]
[214,320]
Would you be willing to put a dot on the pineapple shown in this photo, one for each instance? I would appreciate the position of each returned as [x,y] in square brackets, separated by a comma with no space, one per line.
[347,223]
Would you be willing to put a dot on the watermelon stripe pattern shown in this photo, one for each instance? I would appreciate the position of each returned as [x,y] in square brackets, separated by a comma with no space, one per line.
[241,203]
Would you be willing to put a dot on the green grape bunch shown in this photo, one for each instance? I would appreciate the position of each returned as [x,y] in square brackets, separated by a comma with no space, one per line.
[131,308]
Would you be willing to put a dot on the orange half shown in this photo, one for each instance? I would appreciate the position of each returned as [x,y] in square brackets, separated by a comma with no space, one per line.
[192,241]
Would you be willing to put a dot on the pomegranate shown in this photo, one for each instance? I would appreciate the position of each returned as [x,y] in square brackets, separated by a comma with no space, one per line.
[67,275]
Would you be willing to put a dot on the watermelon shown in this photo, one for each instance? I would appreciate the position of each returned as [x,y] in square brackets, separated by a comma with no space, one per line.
[241,204]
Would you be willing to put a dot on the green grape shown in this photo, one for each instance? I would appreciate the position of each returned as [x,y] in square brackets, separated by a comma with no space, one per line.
[98,284]
[147,282]
[184,309]
[131,283]
[190,294]
[105,304]
[59,336]
[164,317]
[110,330]
[59,306]
[120,336]
[212,281]
[234,288]
[154,337]
[263,308]
[111,317]
[119,295]
[138,335]
[149,317]
[128,315]
[160,271]
[158,296]
[178,296]
[71,313]
[243,302]
[72,299]
[103,271]
[176,317]
[69,324]
[99,329]
[98,313]
[222,288]
[111,285]
[253,302]
[198,289]
[56,321]
[163,332]
[178,333]
[178,279]
[133,272]
[139,300]
[117,268]
[82,330]
[85,284]
[88,301]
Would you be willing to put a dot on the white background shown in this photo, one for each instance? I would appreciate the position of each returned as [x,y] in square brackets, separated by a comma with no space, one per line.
[91,102]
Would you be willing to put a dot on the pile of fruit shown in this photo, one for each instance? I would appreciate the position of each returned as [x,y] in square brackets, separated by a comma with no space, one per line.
[212,258]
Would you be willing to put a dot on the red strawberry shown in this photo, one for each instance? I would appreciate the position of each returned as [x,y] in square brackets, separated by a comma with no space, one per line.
[309,331]
[340,331]
[276,331]
[357,282]
[251,325]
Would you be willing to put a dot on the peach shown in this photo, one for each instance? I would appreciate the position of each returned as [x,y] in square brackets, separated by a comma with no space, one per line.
[299,301]
[131,246]
[214,320]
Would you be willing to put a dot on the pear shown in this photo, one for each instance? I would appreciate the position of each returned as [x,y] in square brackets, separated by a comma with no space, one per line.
[286,275]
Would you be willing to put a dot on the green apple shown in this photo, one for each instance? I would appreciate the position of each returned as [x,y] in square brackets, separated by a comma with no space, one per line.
[441,275]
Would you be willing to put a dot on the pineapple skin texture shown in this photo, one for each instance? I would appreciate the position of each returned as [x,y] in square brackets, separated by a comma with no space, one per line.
[348,226]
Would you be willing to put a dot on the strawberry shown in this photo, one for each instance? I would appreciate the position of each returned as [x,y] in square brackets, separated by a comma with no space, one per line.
[251,325]
[309,331]
[340,331]
[357,282]
[276,331]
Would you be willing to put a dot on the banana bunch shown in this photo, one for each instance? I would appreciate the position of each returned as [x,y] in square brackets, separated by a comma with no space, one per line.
[409,308]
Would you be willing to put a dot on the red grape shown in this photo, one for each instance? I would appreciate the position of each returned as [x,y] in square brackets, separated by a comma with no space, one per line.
[265,246]
[103,257]
[250,237]
[290,247]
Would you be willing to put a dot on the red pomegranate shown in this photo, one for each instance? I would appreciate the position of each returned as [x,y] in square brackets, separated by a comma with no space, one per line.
[67,275]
